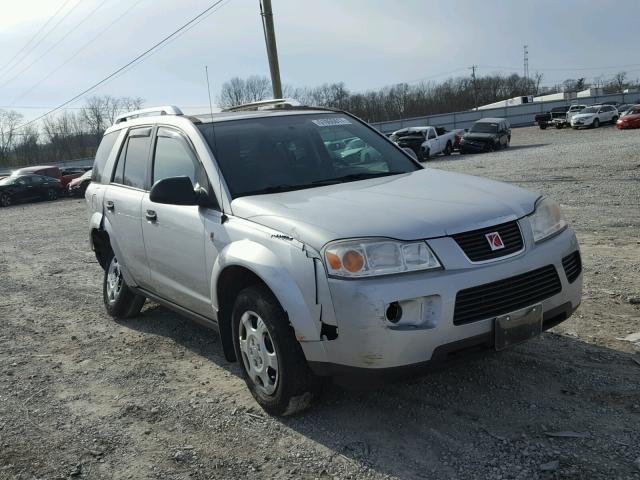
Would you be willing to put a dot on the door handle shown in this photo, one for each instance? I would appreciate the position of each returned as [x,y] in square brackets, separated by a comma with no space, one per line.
[110,205]
[151,215]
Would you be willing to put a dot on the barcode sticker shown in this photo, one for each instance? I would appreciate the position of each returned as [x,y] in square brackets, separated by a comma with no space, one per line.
[331,122]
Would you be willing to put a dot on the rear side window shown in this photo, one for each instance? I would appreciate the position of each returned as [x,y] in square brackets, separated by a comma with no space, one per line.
[133,163]
[106,145]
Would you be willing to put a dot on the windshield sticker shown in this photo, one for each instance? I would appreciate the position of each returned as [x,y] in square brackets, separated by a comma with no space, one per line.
[331,122]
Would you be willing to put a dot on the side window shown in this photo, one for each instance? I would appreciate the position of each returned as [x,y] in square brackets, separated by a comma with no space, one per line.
[23,181]
[173,156]
[37,180]
[133,162]
[432,134]
[106,145]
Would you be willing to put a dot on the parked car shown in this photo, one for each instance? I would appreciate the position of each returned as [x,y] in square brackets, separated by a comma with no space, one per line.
[543,120]
[459,132]
[631,119]
[593,116]
[46,170]
[485,135]
[561,122]
[78,186]
[624,108]
[19,187]
[426,141]
[309,266]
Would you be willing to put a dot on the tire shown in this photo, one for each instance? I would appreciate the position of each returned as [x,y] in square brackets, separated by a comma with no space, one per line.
[273,365]
[595,124]
[497,146]
[119,299]
[5,200]
[52,194]
[448,149]
[543,127]
[614,120]
[558,126]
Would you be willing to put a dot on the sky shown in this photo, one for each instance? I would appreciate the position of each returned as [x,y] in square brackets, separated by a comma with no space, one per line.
[366,44]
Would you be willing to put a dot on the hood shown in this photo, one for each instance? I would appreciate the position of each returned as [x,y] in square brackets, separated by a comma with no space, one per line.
[479,136]
[578,116]
[423,204]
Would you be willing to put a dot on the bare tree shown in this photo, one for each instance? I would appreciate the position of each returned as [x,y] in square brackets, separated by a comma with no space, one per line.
[619,82]
[9,120]
[238,91]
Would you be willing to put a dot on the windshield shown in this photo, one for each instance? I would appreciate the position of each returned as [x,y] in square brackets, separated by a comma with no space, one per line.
[484,127]
[281,153]
[589,110]
[7,180]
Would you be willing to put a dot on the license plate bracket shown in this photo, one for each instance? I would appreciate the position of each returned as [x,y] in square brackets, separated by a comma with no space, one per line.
[519,326]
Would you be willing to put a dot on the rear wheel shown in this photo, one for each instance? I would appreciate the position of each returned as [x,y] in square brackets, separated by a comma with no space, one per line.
[448,149]
[543,126]
[5,200]
[614,120]
[119,299]
[52,194]
[596,123]
[273,364]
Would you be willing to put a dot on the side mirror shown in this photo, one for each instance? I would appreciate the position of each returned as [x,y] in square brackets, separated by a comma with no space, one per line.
[410,152]
[174,191]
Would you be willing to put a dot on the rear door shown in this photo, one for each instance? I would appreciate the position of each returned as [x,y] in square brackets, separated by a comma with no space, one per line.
[122,203]
[174,235]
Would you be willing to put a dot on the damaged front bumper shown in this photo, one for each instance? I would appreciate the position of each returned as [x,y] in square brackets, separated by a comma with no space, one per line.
[369,342]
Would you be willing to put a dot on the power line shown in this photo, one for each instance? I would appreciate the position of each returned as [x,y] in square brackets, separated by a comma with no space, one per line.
[142,55]
[66,62]
[26,45]
[42,39]
[69,32]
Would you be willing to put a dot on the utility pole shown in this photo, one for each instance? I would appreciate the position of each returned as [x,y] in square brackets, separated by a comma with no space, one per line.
[475,87]
[272,50]
[526,62]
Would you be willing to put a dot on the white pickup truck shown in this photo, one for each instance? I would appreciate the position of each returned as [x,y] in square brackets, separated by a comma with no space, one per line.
[425,141]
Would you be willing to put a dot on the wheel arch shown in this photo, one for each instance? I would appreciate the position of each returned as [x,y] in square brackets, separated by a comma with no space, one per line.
[246,263]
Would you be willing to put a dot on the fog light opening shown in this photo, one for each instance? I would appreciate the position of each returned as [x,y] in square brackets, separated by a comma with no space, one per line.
[394,312]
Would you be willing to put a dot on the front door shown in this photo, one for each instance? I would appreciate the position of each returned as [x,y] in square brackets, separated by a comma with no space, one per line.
[174,235]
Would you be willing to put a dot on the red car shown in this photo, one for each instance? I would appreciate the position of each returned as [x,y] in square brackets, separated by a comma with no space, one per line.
[631,119]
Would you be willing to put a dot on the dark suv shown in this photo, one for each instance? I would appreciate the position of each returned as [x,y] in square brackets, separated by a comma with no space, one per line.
[485,135]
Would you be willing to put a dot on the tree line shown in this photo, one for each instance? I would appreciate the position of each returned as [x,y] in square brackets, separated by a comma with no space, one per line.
[76,134]
[68,135]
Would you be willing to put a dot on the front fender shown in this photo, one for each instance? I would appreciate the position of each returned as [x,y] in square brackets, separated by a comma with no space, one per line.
[107,227]
[293,284]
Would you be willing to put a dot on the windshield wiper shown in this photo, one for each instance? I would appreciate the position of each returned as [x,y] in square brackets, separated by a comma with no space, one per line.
[355,176]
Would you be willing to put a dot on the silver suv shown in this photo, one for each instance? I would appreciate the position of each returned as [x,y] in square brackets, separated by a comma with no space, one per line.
[312,258]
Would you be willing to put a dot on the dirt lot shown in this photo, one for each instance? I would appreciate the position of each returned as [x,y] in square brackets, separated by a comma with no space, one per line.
[82,396]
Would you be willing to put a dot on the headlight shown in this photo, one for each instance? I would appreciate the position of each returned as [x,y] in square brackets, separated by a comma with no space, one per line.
[370,257]
[547,220]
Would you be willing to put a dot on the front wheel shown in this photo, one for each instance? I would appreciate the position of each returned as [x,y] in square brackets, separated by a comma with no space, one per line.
[5,200]
[273,364]
[119,299]
[448,149]
[543,126]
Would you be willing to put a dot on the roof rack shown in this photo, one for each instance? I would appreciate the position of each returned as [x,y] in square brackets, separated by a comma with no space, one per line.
[276,103]
[145,112]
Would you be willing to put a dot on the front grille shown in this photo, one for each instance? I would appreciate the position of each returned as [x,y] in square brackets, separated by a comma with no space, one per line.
[504,296]
[476,246]
[572,266]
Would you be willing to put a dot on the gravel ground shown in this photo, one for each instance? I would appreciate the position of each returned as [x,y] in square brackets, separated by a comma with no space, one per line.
[82,396]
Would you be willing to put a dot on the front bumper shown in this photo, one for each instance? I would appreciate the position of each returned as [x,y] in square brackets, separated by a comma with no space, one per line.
[367,340]
[475,147]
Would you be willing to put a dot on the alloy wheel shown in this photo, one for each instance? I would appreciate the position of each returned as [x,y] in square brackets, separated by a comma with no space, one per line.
[114,281]
[258,352]
[5,200]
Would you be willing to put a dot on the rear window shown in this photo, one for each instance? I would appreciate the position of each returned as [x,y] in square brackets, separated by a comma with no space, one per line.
[106,145]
